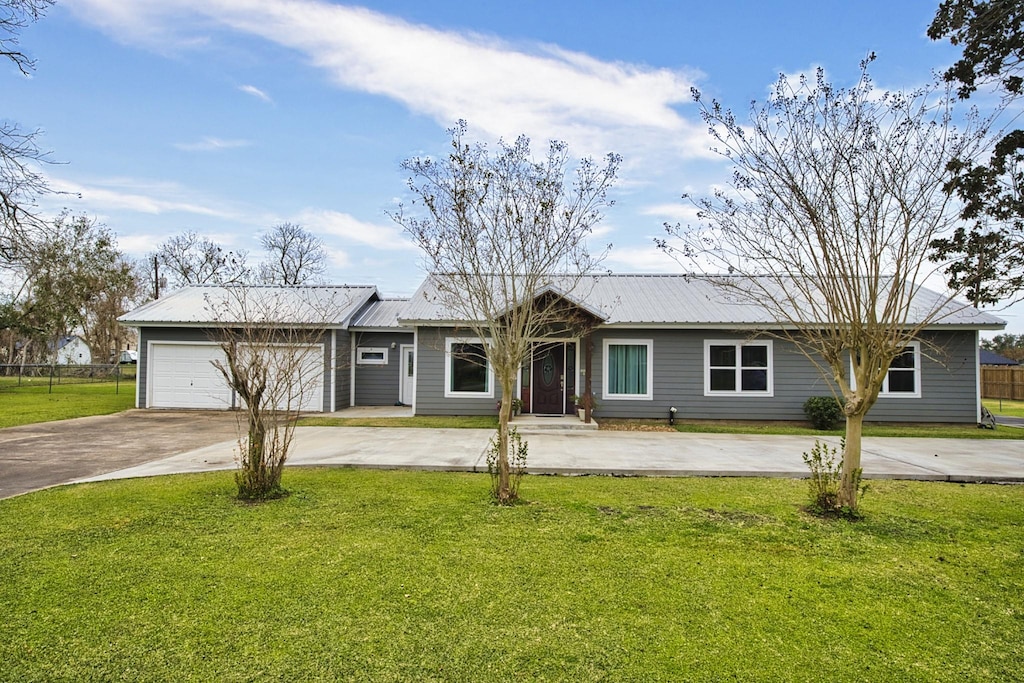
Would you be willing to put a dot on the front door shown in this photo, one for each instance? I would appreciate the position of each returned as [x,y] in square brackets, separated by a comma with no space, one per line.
[408,373]
[549,379]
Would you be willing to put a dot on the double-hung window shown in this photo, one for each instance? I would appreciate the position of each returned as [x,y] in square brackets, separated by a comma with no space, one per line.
[904,376]
[467,372]
[628,369]
[737,367]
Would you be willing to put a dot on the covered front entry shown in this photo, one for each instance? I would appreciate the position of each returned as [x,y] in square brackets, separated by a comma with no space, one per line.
[551,380]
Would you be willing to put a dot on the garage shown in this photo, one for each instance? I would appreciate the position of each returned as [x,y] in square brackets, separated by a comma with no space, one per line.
[183,376]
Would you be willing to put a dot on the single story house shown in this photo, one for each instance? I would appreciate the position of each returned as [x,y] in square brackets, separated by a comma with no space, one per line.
[654,342]
[72,350]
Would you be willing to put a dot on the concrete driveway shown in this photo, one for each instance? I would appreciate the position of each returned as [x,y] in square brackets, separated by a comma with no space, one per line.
[618,453]
[49,453]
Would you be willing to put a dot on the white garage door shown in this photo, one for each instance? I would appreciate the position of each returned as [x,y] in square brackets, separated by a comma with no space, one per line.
[182,376]
[306,364]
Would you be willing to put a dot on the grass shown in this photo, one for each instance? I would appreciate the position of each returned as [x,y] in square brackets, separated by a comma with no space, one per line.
[425,421]
[33,402]
[395,576]
[1004,407]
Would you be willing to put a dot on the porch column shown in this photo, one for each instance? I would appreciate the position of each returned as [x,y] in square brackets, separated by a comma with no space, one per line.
[588,355]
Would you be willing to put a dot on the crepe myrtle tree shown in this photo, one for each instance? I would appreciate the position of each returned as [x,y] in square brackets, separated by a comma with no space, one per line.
[504,234]
[268,336]
[835,196]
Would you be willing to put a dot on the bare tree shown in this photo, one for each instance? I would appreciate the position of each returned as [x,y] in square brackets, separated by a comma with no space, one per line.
[20,179]
[189,259]
[505,236]
[274,362]
[295,256]
[835,197]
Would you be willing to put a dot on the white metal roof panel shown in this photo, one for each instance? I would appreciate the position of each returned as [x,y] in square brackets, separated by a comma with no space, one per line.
[682,300]
[331,306]
[381,314]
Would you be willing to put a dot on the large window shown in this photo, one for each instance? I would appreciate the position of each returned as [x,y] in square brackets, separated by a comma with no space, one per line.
[628,369]
[735,367]
[467,372]
[904,376]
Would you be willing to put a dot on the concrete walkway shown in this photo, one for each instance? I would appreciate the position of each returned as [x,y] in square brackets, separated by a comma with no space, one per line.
[617,453]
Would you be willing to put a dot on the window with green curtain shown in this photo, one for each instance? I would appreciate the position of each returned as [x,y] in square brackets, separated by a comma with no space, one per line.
[627,369]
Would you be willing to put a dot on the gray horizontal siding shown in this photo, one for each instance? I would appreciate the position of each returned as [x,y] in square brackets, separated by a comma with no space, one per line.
[342,375]
[948,381]
[379,385]
[196,334]
[430,398]
[948,388]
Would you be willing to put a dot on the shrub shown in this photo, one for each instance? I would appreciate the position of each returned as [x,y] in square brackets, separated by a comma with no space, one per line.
[824,412]
[826,476]
[517,449]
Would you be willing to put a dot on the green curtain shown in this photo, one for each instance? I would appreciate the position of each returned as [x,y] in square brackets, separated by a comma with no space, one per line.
[627,369]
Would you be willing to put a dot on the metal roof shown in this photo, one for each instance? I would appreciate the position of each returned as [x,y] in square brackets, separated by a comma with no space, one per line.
[682,301]
[329,306]
[381,314]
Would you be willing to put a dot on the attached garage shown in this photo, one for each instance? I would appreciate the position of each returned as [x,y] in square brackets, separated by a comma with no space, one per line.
[183,376]
[308,327]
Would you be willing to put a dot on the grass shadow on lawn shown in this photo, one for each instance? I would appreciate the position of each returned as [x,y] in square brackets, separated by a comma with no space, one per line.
[376,575]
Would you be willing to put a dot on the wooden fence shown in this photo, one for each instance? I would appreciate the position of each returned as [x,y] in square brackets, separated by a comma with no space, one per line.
[1002,382]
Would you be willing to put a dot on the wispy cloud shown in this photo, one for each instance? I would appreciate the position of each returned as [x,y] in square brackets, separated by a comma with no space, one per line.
[255,92]
[210,144]
[502,89]
[150,198]
[384,236]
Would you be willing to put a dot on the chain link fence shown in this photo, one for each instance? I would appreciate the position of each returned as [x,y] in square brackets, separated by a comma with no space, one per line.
[58,375]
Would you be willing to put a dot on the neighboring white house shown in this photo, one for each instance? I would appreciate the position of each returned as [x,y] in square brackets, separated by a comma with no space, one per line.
[73,350]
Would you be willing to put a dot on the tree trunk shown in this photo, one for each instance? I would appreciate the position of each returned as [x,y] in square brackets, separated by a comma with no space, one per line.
[850,482]
[504,416]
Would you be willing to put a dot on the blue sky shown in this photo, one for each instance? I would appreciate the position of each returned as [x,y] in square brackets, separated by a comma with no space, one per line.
[228,116]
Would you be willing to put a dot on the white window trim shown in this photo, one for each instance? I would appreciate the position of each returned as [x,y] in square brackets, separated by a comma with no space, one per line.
[448,392]
[739,344]
[884,391]
[605,394]
[362,360]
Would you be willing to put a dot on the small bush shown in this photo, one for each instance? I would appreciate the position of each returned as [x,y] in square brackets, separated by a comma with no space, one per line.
[824,412]
[826,476]
[517,449]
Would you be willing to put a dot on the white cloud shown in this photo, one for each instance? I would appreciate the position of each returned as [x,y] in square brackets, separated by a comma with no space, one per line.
[501,89]
[641,260]
[141,197]
[209,144]
[387,237]
[682,212]
[255,92]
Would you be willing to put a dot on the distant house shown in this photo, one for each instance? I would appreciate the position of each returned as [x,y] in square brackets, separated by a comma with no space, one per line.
[654,342]
[72,350]
[986,357]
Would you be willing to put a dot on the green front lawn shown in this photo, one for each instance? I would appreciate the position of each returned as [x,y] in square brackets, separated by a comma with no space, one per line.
[33,402]
[397,576]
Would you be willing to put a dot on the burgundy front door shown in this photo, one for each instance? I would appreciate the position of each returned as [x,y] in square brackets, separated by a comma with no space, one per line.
[549,379]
